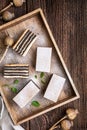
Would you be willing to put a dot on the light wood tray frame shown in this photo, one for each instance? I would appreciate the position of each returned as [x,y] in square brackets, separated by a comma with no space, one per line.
[18,116]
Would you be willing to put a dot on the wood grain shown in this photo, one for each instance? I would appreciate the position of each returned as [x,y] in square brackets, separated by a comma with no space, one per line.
[36,22]
[68,22]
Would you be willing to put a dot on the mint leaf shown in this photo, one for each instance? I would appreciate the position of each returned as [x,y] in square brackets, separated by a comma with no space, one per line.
[14,90]
[35,103]
[43,82]
[16,81]
[41,74]
[35,76]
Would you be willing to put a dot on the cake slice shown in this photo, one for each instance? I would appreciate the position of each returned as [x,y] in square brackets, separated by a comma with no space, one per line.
[16,71]
[43,59]
[24,43]
[54,88]
[26,94]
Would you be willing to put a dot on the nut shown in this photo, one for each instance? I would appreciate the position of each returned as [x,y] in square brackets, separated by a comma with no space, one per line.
[9,41]
[7,16]
[18,3]
[66,124]
[72,113]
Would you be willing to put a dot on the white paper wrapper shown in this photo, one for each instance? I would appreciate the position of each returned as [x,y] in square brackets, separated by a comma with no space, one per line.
[5,121]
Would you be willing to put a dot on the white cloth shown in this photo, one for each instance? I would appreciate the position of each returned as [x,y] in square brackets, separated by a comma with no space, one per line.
[5,121]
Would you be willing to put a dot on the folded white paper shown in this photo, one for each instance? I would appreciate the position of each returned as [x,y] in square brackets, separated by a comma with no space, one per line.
[5,121]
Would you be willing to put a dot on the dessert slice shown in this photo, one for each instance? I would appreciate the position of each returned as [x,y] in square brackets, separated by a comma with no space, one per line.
[24,43]
[26,94]
[16,71]
[54,88]
[43,59]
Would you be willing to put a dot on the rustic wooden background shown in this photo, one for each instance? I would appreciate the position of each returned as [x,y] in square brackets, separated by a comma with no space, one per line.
[68,22]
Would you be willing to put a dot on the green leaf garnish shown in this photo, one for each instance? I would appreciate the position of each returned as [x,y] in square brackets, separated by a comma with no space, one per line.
[35,76]
[14,90]
[41,74]
[35,103]
[16,81]
[43,82]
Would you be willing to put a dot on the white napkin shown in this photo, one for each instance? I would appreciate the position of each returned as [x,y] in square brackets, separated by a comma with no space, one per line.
[5,121]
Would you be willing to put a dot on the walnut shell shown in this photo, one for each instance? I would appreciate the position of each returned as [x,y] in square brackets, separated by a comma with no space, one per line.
[72,113]
[18,3]
[7,16]
[9,41]
[66,124]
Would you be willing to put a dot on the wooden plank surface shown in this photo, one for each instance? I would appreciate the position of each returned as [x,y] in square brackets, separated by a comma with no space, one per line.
[68,22]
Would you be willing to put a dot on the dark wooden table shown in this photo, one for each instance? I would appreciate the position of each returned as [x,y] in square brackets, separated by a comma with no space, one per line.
[68,22]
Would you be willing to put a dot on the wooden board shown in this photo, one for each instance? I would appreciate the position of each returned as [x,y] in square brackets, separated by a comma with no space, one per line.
[3,47]
[37,23]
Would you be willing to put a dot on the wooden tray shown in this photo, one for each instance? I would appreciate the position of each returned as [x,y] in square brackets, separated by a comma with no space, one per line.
[37,23]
